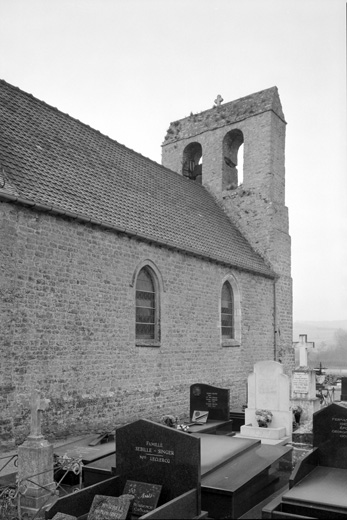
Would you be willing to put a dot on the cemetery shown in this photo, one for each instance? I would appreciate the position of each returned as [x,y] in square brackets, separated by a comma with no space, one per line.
[217,463]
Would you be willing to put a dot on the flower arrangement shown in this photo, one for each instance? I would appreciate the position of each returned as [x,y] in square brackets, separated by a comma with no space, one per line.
[183,427]
[264,417]
[169,420]
[297,411]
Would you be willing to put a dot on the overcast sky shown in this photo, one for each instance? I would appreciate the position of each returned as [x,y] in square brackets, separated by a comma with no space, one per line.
[130,67]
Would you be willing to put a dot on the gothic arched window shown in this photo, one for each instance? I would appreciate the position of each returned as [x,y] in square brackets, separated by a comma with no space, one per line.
[227,312]
[147,311]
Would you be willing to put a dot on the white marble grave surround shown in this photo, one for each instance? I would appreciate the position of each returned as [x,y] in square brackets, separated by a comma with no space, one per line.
[269,389]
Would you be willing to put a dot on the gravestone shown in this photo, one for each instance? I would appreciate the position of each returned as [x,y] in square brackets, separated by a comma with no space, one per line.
[110,508]
[304,383]
[344,389]
[268,389]
[146,496]
[330,435]
[154,454]
[35,462]
[319,481]
[210,399]
[157,454]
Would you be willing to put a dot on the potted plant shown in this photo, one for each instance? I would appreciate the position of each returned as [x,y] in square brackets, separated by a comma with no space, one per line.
[264,418]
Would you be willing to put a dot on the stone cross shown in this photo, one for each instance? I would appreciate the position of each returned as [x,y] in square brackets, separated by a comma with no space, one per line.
[303,345]
[218,101]
[37,405]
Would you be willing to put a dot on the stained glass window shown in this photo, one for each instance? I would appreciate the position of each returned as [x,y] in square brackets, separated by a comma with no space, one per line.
[145,306]
[227,312]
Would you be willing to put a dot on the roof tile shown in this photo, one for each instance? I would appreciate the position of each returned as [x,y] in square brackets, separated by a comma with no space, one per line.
[52,159]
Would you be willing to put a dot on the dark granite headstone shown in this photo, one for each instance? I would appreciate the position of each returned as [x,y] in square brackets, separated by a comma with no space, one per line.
[64,516]
[156,454]
[146,496]
[110,508]
[344,389]
[330,435]
[212,399]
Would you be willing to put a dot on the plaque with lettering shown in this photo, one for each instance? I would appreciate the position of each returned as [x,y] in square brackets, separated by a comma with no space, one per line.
[300,382]
[199,417]
[146,496]
[110,508]
[153,453]
[330,435]
[211,399]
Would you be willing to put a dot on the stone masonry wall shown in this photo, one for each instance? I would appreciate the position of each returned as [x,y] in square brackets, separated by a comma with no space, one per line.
[257,206]
[67,327]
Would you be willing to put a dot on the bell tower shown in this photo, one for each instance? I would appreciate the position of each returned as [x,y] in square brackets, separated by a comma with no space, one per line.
[212,148]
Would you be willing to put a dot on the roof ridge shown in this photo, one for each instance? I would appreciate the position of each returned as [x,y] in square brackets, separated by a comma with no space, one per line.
[84,172]
[234,101]
[95,130]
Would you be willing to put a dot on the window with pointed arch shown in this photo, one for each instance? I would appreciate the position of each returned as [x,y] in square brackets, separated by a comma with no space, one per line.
[147,306]
[230,312]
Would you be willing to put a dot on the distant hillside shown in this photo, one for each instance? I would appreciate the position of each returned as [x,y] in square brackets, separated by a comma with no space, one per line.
[330,338]
[318,331]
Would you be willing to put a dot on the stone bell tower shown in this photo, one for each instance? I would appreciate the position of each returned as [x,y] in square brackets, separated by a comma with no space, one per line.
[208,148]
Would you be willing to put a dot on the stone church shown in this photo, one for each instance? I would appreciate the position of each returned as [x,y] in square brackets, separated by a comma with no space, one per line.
[123,281]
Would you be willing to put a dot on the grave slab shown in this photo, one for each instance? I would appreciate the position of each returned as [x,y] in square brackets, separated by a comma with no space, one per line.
[154,454]
[319,481]
[263,433]
[63,516]
[82,448]
[235,487]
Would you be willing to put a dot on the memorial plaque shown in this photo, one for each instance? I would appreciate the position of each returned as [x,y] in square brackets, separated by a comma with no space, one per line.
[301,383]
[200,417]
[146,496]
[330,435]
[211,399]
[156,454]
[110,508]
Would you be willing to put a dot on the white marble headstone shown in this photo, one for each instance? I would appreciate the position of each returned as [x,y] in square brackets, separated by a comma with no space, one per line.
[269,389]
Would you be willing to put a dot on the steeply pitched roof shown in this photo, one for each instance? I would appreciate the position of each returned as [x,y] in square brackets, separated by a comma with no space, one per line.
[50,159]
[226,114]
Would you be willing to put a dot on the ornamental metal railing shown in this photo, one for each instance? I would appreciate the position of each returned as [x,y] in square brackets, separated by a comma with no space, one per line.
[12,493]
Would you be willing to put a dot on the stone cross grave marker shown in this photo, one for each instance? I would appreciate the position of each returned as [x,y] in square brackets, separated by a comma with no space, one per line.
[303,345]
[37,406]
[219,100]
